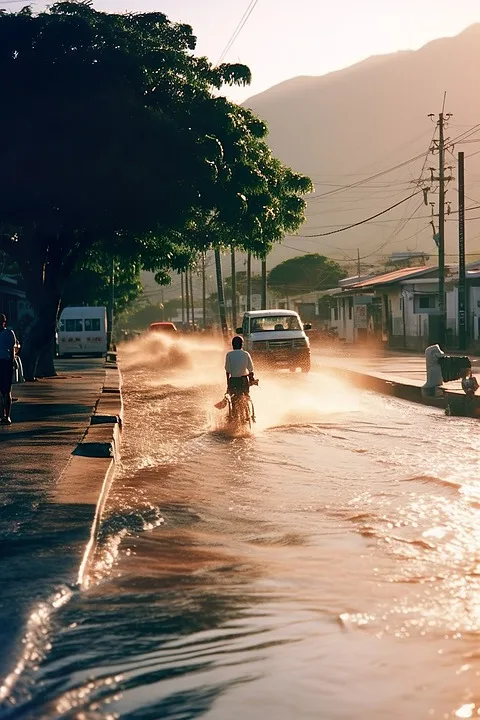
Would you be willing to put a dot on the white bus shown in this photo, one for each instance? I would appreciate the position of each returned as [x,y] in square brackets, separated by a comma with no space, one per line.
[82,331]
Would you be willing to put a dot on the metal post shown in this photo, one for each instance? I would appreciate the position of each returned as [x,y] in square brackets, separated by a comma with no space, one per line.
[462,288]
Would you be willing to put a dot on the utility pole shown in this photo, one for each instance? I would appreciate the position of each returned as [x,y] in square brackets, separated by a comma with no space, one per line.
[204,294]
[234,290]
[191,299]
[221,296]
[111,306]
[462,288]
[358,264]
[187,301]
[441,230]
[439,236]
[264,283]
[183,300]
[249,280]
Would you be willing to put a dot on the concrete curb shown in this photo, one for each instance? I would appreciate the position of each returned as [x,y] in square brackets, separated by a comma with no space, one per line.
[87,478]
[399,388]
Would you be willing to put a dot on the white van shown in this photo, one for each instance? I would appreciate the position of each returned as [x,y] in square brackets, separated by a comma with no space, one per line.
[276,338]
[82,331]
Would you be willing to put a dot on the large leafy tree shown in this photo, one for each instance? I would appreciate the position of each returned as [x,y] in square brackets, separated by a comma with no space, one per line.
[114,136]
[304,274]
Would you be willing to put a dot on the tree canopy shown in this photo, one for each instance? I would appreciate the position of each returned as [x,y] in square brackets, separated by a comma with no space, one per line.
[115,138]
[304,274]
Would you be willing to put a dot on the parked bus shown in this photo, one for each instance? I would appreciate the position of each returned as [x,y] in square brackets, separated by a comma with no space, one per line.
[82,331]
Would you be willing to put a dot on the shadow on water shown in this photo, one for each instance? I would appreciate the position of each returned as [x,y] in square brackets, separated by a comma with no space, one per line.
[170,617]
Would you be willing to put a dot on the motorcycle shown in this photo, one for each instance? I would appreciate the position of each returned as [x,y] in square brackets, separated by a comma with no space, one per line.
[241,410]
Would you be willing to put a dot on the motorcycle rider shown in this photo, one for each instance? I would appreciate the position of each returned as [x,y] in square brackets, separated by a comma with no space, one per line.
[239,369]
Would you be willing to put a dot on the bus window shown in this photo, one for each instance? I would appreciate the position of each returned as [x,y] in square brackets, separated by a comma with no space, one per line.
[92,324]
[73,326]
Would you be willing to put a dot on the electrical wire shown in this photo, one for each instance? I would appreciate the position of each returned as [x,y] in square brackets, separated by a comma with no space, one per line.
[362,222]
[238,30]
[368,179]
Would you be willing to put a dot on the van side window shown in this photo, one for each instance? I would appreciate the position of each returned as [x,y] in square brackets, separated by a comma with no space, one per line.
[92,324]
[73,325]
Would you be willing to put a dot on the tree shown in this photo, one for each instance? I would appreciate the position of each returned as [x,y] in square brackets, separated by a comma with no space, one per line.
[132,151]
[90,284]
[304,274]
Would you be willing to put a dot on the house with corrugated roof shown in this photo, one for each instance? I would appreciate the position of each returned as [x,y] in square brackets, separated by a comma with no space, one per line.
[399,308]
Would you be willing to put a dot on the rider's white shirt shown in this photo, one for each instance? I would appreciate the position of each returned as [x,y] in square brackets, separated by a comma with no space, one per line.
[238,363]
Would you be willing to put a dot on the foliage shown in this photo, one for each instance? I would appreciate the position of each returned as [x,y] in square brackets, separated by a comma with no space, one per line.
[90,284]
[133,152]
[303,274]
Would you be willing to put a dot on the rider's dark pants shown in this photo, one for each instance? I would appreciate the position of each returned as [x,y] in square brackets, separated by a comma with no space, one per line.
[239,385]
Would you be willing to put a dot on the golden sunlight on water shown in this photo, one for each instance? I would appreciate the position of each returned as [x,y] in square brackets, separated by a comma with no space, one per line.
[325,564]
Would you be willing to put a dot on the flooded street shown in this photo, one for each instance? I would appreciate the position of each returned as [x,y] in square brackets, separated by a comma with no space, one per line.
[326,565]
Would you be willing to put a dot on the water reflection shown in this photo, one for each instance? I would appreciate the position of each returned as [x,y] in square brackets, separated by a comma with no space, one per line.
[326,566]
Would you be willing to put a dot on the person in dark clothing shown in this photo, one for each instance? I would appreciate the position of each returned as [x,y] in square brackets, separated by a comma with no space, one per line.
[8,342]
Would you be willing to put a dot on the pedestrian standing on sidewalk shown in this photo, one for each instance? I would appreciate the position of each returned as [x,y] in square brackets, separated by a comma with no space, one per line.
[7,355]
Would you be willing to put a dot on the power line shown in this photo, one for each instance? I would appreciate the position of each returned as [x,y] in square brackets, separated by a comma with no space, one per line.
[368,179]
[238,29]
[362,222]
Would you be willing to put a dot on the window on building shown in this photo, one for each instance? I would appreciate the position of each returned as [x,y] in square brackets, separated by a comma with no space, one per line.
[425,303]
[92,324]
[73,325]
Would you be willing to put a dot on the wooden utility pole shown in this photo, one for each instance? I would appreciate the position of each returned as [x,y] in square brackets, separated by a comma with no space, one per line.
[111,306]
[462,285]
[234,290]
[183,299]
[187,300]
[191,299]
[249,280]
[221,296]
[359,269]
[204,293]
[441,231]
[264,284]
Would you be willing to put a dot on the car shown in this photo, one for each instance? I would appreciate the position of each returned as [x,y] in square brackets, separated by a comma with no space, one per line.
[163,327]
[276,338]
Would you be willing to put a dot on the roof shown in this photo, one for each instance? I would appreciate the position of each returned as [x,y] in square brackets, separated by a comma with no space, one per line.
[393,277]
[268,313]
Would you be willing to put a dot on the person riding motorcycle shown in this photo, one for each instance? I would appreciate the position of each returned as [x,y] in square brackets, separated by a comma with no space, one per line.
[239,369]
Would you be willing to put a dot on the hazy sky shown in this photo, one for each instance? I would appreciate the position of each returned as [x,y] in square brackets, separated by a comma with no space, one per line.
[286,38]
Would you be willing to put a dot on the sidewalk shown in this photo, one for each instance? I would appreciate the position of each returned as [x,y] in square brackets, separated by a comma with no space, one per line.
[398,374]
[44,527]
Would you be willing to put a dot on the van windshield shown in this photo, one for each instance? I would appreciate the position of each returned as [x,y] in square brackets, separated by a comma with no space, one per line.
[267,323]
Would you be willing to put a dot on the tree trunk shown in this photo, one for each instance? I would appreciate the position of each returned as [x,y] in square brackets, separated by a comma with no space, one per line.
[46,361]
[39,340]
[221,297]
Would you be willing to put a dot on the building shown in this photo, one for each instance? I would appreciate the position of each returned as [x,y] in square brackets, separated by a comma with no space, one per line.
[401,308]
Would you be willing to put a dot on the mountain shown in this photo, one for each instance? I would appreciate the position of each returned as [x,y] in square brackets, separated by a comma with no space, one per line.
[347,125]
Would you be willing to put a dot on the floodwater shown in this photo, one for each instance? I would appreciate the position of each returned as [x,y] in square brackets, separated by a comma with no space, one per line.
[325,565]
